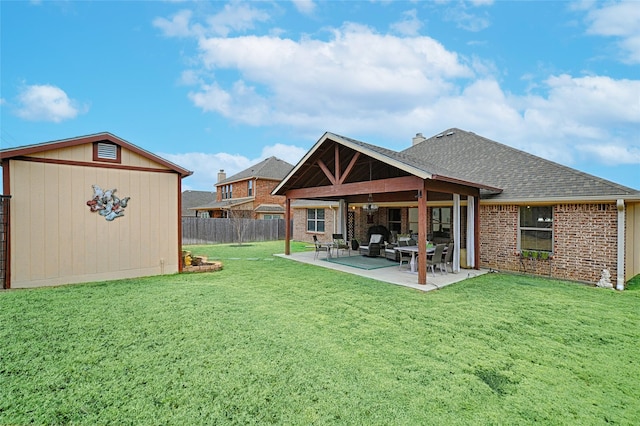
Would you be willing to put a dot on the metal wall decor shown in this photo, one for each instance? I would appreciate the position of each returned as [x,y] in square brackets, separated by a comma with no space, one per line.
[107,203]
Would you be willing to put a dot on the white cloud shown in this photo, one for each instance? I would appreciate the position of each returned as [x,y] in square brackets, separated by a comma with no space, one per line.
[306,7]
[612,154]
[358,82]
[620,20]
[177,26]
[284,81]
[410,25]
[235,16]
[45,103]
[465,19]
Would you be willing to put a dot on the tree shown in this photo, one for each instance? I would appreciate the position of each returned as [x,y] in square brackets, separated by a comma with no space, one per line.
[240,219]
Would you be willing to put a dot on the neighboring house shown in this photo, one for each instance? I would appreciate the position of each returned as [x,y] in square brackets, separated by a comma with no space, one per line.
[191,198]
[248,193]
[493,201]
[90,208]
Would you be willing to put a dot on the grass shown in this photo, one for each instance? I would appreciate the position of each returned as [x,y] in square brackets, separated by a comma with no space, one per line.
[268,340]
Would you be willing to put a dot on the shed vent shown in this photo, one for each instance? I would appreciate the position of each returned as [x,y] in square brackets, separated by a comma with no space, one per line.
[107,151]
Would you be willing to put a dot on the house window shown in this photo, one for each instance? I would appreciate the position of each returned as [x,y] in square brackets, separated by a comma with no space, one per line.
[272,216]
[315,220]
[230,191]
[536,228]
[441,222]
[250,188]
[394,217]
[223,192]
[105,151]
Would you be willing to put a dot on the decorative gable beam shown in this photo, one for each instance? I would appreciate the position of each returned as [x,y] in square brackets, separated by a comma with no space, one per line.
[406,183]
[326,171]
[349,168]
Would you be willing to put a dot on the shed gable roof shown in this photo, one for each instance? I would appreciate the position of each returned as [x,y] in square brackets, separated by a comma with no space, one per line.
[82,140]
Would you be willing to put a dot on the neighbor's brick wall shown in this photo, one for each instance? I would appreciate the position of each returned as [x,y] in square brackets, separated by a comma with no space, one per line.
[262,192]
[585,241]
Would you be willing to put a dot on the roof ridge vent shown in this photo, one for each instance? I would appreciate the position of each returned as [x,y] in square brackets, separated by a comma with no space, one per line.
[449,134]
[440,135]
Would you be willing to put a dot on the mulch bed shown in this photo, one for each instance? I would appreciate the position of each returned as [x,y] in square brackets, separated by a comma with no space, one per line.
[206,267]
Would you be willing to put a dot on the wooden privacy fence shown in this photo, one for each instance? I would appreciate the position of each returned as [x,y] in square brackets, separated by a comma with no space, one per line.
[198,230]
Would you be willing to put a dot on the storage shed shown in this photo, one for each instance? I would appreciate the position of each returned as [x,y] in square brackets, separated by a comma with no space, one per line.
[89,208]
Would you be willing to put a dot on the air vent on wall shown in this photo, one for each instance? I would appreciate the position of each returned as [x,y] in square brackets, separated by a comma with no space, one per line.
[107,151]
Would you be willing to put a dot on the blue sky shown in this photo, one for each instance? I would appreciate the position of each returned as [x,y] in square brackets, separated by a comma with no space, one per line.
[223,85]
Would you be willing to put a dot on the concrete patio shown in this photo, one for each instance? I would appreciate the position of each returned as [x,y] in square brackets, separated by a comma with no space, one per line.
[390,274]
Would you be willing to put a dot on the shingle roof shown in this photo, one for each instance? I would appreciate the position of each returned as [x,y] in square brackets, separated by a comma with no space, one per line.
[519,174]
[195,198]
[269,208]
[271,168]
[224,204]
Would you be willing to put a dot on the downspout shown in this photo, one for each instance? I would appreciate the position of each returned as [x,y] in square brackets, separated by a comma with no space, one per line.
[620,270]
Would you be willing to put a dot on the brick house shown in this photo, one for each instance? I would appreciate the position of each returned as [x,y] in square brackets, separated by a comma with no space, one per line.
[248,193]
[503,208]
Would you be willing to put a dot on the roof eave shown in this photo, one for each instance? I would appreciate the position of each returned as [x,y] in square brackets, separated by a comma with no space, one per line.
[559,200]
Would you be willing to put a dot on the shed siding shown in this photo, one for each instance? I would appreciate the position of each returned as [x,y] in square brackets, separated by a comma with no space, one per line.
[632,241]
[57,240]
[84,153]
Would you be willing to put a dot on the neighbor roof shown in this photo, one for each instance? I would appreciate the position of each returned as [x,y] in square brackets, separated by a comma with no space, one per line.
[271,168]
[224,204]
[81,140]
[522,176]
[192,198]
[270,208]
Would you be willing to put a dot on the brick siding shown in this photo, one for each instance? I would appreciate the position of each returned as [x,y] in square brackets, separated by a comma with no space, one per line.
[300,232]
[584,241]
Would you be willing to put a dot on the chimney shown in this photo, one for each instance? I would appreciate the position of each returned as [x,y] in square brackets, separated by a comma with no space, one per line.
[221,175]
[418,138]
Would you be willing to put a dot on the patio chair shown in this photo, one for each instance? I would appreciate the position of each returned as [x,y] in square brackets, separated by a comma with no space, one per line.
[340,244]
[436,259]
[320,247]
[447,258]
[373,248]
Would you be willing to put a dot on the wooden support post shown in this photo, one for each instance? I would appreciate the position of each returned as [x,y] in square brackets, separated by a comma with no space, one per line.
[422,234]
[287,224]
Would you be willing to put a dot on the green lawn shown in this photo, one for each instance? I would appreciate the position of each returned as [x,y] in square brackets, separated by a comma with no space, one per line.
[268,340]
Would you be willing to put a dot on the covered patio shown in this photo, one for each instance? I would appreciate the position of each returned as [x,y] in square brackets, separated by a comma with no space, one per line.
[390,274]
[353,173]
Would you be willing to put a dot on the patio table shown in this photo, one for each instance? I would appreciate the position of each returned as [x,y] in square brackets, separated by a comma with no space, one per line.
[413,250]
[329,247]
